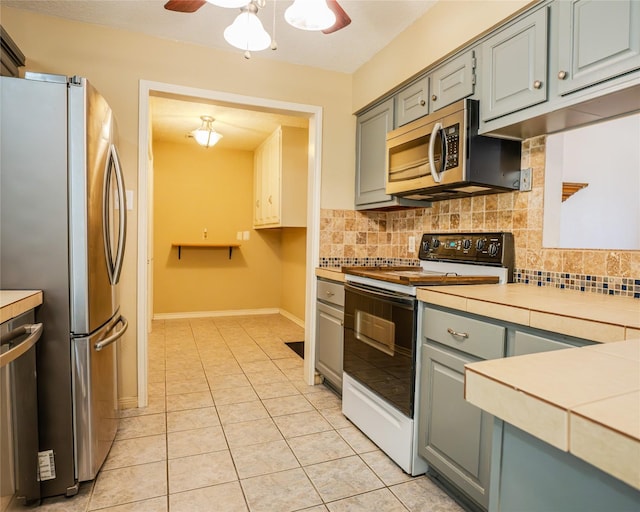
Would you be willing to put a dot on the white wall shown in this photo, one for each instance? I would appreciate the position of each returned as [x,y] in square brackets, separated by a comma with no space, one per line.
[606,213]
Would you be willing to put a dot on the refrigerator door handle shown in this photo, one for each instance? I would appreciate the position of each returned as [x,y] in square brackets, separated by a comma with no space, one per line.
[115,267]
[114,337]
[33,330]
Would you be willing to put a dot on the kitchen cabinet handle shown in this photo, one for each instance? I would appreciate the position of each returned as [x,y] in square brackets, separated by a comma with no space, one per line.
[258,203]
[434,98]
[422,103]
[329,293]
[537,84]
[270,199]
[33,330]
[457,334]
[562,75]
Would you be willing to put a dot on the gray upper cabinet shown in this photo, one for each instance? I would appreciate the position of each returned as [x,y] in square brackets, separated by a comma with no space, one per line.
[597,40]
[371,139]
[452,81]
[514,63]
[412,102]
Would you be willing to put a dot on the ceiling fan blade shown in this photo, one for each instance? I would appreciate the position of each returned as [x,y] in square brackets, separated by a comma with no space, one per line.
[184,5]
[342,18]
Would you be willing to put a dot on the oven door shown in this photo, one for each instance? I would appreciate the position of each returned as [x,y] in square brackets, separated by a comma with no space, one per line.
[380,343]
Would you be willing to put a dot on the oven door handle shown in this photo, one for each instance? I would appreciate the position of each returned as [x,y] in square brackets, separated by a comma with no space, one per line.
[390,296]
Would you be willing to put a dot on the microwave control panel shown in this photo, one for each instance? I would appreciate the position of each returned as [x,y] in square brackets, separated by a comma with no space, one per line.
[452,136]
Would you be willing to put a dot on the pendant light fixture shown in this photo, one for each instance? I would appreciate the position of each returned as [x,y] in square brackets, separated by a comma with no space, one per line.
[247,32]
[310,15]
[205,135]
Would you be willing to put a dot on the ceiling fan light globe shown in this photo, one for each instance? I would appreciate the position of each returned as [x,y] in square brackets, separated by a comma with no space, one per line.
[247,33]
[310,15]
[229,3]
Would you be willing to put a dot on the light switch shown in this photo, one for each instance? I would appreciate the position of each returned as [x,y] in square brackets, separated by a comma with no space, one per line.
[239,235]
[245,235]
[412,244]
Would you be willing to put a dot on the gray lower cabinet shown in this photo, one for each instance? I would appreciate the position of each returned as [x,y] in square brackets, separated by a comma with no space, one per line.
[529,475]
[412,102]
[514,63]
[597,40]
[453,81]
[454,436]
[329,331]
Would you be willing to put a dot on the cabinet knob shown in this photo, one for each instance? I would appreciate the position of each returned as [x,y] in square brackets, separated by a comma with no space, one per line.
[270,199]
[422,103]
[258,203]
[537,84]
[434,97]
[329,293]
[562,75]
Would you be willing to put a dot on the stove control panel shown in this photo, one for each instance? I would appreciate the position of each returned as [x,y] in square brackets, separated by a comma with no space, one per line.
[481,248]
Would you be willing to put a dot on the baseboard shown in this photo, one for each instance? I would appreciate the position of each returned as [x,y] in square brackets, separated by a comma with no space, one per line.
[130,402]
[293,318]
[210,314]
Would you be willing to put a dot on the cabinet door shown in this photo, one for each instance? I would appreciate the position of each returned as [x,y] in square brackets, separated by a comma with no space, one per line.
[329,344]
[454,436]
[453,81]
[411,102]
[371,153]
[271,179]
[258,173]
[514,67]
[597,40]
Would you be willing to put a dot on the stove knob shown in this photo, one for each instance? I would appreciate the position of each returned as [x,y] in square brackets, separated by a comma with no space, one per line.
[480,244]
[466,244]
[435,243]
[493,249]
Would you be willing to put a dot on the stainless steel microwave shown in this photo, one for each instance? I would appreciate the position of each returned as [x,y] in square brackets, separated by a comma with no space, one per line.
[441,156]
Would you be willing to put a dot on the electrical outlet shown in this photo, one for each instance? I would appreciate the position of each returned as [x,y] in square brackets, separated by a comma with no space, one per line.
[245,235]
[525,180]
[412,244]
[239,235]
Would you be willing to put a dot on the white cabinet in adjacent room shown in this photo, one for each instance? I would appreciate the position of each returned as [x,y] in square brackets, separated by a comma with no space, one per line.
[280,179]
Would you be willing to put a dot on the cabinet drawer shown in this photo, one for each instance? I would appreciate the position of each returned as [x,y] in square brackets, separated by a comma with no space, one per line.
[525,343]
[330,292]
[480,339]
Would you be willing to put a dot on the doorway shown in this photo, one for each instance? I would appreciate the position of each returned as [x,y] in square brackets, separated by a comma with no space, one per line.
[145,204]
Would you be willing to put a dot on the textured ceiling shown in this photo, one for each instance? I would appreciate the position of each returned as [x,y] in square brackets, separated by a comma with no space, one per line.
[374,24]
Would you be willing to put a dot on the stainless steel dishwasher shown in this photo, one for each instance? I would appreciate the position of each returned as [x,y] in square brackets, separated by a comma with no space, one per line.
[19,408]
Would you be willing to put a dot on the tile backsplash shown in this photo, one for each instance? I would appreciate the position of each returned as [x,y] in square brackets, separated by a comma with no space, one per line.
[349,237]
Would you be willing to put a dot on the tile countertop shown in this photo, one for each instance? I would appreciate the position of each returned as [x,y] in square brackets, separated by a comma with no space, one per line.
[331,273]
[582,400]
[596,317]
[16,302]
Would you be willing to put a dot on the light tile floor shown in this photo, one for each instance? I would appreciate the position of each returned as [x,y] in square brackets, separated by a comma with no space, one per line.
[231,426]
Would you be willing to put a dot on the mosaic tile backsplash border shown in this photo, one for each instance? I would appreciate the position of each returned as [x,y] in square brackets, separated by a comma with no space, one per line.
[621,286]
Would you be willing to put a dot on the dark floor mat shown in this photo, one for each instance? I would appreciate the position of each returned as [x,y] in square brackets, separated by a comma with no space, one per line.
[297,347]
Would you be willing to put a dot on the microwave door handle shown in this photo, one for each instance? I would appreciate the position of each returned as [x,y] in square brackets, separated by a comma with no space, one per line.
[432,142]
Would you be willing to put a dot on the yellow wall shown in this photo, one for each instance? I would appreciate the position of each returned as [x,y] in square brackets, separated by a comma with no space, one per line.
[115,61]
[196,189]
[293,259]
[445,27]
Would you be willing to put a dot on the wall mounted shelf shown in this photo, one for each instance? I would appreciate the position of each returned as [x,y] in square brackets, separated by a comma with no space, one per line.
[204,245]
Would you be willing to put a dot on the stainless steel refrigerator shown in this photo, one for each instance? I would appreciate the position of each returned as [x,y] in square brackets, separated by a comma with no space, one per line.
[62,230]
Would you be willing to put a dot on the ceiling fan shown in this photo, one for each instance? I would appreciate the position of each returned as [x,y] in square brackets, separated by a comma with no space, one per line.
[186,6]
